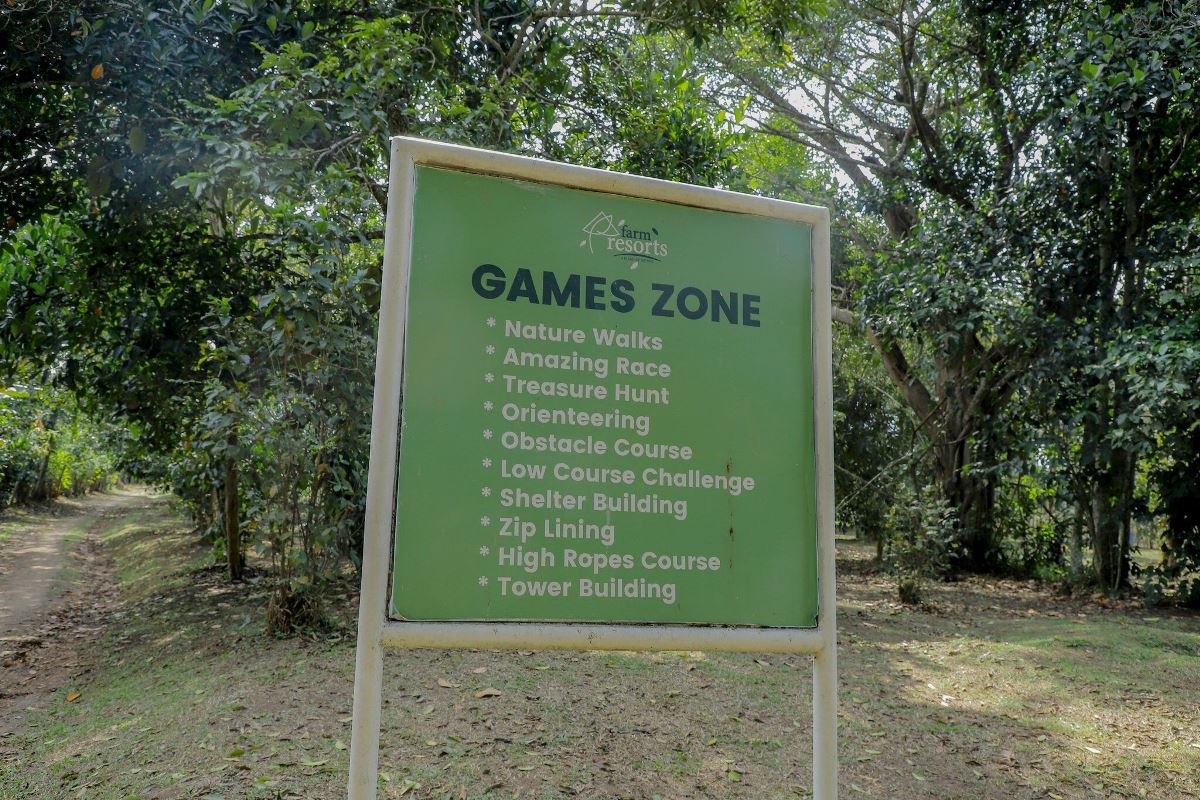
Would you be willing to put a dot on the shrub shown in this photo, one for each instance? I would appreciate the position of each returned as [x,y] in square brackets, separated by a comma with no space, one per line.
[920,538]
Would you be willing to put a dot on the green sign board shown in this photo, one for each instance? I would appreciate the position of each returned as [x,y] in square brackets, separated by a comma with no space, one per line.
[607,410]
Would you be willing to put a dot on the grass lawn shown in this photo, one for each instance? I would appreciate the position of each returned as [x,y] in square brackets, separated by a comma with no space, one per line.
[997,690]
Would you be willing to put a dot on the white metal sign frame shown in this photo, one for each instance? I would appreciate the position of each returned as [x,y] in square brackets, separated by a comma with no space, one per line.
[376,632]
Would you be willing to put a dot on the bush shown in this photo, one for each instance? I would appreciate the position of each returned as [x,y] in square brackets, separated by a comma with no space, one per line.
[291,406]
[50,448]
[920,539]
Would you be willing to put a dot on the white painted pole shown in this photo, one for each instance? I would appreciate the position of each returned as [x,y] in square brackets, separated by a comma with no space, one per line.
[381,482]
[825,760]
[825,687]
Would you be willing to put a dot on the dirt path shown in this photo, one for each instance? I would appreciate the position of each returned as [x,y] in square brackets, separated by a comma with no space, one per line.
[33,560]
[56,596]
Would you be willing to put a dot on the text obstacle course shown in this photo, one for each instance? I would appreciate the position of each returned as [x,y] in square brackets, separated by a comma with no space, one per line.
[610,396]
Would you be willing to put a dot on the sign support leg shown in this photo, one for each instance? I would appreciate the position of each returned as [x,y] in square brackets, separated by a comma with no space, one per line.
[825,685]
[368,703]
[381,484]
[825,761]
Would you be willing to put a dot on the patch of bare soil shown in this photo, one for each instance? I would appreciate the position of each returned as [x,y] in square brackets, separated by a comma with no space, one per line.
[55,599]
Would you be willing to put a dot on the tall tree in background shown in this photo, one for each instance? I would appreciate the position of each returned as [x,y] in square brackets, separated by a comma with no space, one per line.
[930,111]
[1117,201]
[1028,163]
[197,202]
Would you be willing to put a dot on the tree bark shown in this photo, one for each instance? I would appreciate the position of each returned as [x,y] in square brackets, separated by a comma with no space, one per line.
[1076,557]
[42,491]
[972,496]
[1110,515]
[976,503]
[233,533]
[955,429]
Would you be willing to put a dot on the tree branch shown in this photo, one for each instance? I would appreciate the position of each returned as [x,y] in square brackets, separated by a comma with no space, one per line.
[911,388]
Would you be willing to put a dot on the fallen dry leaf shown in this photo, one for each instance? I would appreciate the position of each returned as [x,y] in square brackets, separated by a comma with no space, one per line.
[73,696]
[488,692]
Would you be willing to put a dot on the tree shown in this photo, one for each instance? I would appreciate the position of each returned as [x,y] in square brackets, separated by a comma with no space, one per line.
[97,88]
[930,111]
[1116,202]
[1019,169]
[195,230]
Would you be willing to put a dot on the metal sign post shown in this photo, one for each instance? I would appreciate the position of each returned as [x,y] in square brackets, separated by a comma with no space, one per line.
[617,418]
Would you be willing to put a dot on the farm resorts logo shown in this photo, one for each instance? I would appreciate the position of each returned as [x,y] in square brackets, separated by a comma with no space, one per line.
[621,241]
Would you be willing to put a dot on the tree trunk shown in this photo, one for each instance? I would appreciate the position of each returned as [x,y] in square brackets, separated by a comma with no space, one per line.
[1076,557]
[233,533]
[214,511]
[972,496]
[977,501]
[1110,514]
[42,491]
[955,426]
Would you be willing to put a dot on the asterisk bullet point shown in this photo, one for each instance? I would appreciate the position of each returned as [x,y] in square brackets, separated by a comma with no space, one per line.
[487,462]
[482,581]
[485,521]
[490,349]
[486,491]
[483,551]
[489,377]
[491,322]
[488,405]
[487,433]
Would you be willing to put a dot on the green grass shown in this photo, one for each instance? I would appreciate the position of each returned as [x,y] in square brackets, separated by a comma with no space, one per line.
[14,521]
[9,526]
[154,553]
[189,698]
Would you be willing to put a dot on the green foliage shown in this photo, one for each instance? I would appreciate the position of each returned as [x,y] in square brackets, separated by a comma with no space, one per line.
[872,433]
[91,301]
[1112,216]
[1161,366]
[1035,521]
[308,357]
[920,541]
[92,89]
[1020,181]
[192,195]
[50,448]
[929,120]
[638,107]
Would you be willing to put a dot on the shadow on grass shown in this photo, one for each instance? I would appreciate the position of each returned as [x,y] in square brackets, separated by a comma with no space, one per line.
[189,698]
